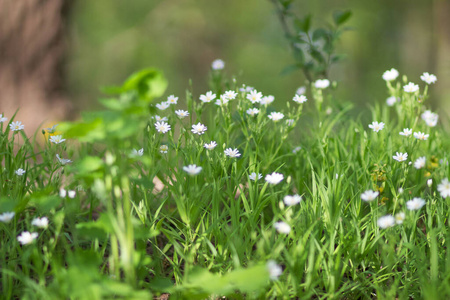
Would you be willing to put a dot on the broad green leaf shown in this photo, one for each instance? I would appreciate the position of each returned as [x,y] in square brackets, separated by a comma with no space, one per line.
[340,17]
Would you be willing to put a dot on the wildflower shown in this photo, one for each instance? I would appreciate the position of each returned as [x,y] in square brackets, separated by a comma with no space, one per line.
[63,161]
[391,101]
[430,118]
[292,200]
[218,64]
[255,176]
[322,83]
[62,192]
[406,132]
[182,113]
[252,111]
[172,99]
[290,122]
[71,194]
[232,153]
[56,139]
[7,217]
[2,118]
[163,149]
[266,100]
[430,182]
[386,221]
[411,88]
[300,99]
[274,270]
[282,227]
[51,129]
[444,188]
[301,90]
[40,222]
[159,119]
[20,172]
[400,156]
[222,101]
[16,126]
[428,78]
[162,105]
[369,195]
[139,152]
[415,204]
[421,136]
[400,190]
[254,96]
[162,127]
[399,218]
[420,162]
[26,237]
[375,126]
[246,89]
[231,95]
[192,169]
[208,97]
[274,178]
[296,149]
[276,116]
[199,129]
[211,145]
[390,75]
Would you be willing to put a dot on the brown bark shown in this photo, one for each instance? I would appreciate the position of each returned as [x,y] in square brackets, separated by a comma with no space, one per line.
[32,48]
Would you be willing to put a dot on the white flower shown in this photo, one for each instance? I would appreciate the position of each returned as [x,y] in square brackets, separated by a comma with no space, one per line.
[428,78]
[322,83]
[406,132]
[375,126]
[162,105]
[369,195]
[300,99]
[192,169]
[296,149]
[218,64]
[252,111]
[2,118]
[430,182]
[16,126]
[199,129]
[20,172]
[282,227]
[400,156]
[430,118]
[63,161]
[276,116]
[301,90]
[246,89]
[62,192]
[254,96]
[159,119]
[391,101]
[222,101]
[274,178]
[399,218]
[182,113]
[421,135]
[232,153]
[208,97]
[71,194]
[444,188]
[51,129]
[254,176]
[415,204]
[420,162]
[400,190]
[26,237]
[211,145]
[411,88]
[7,217]
[386,221]
[162,127]
[56,139]
[139,152]
[163,149]
[172,99]
[390,75]
[230,95]
[290,200]
[40,222]
[266,100]
[274,270]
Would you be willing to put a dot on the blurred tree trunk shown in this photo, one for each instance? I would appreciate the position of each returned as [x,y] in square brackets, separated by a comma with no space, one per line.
[32,52]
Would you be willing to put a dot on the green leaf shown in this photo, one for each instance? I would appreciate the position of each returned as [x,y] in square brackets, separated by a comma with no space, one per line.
[319,33]
[340,17]
[289,69]
[304,24]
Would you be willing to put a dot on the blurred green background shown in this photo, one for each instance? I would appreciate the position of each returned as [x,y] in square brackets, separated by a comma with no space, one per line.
[111,39]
